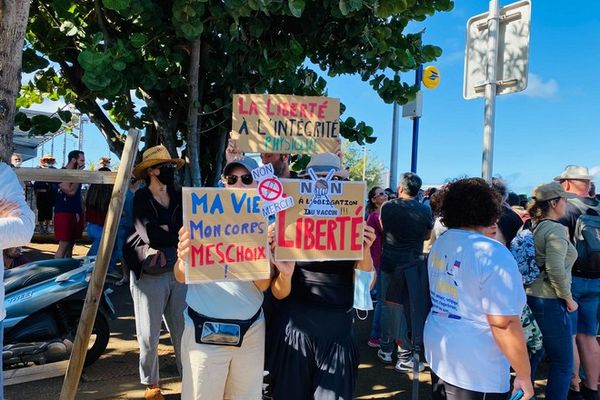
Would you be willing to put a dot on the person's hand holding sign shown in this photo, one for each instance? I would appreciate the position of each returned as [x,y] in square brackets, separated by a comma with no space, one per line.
[183,250]
[232,153]
[366,264]
[281,286]
[368,236]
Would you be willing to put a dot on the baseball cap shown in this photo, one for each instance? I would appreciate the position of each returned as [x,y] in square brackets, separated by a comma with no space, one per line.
[245,161]
[549,191]
[574,172]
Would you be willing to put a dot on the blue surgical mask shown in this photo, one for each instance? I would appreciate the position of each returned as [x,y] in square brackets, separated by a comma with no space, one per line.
[362,290]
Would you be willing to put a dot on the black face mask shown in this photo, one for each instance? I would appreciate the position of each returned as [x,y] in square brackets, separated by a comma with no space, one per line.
[167,174]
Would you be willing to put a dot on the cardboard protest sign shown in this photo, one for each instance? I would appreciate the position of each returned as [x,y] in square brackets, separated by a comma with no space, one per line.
[228,233]
[285,124]
[326,222]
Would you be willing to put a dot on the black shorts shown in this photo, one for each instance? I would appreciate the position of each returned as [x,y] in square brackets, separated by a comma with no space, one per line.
[445,391]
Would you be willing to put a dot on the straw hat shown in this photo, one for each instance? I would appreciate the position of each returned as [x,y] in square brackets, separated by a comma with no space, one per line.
[154,156]
[47,157]
[574,172]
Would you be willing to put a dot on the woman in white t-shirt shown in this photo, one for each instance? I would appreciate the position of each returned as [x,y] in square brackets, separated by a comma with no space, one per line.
[212,368]
[473,333]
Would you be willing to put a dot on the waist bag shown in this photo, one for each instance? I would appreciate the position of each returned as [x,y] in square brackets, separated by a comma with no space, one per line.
[222,332]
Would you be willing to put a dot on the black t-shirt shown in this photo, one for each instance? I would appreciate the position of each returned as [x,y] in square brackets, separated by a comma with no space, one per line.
[405,224]
[327,284]
[149,215]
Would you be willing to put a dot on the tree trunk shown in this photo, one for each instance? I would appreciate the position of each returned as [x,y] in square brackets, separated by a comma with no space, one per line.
[193,140]
[220,159]
[13,22]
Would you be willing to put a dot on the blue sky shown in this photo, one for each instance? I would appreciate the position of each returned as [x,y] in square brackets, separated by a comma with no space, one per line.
[555,122]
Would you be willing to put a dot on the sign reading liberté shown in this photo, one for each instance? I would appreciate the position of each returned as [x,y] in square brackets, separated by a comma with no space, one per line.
[326,222]
[276,123]
[228,235]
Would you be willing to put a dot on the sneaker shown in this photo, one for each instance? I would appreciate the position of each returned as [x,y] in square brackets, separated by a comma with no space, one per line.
[574,395]
[123,281]
[407,366]
[153,394]
[373,342]
[385,357]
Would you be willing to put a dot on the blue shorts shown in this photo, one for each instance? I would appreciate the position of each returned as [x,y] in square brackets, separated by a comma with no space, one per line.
[586,292]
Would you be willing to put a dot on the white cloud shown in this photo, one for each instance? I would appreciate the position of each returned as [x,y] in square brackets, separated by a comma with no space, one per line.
[539,88]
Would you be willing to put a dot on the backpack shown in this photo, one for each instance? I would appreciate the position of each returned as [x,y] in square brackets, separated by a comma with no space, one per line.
[586,237]
[522,247]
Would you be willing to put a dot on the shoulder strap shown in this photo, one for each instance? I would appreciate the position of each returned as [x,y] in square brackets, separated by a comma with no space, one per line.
[581,206]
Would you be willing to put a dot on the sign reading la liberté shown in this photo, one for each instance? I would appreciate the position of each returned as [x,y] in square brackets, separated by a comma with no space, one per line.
[276,123]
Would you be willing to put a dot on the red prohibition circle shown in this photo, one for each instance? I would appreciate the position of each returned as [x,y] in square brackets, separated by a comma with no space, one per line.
[270,189]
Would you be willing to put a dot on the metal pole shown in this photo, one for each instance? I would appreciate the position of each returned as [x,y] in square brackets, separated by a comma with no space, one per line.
[490,91]
[65,161]
[415,131]
[394,155]
[364,171]
[80,141]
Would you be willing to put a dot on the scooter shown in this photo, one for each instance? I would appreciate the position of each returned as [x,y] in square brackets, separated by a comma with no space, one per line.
[43,302]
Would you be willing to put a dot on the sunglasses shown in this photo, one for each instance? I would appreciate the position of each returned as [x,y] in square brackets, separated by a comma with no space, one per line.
[380,194]
[232,179]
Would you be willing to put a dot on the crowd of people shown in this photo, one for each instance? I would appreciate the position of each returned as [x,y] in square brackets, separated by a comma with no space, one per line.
[482,322]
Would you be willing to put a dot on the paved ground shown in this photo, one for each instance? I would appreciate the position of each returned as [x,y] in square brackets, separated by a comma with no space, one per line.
[115,374]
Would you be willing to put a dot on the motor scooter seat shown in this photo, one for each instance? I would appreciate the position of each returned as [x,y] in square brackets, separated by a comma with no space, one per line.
[37,271]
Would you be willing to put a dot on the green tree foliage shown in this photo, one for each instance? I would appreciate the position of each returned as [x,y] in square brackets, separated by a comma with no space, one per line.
[354,160]
[132,57]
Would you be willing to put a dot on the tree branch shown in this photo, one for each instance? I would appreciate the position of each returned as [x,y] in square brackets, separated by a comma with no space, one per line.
[100,20]
[94,111]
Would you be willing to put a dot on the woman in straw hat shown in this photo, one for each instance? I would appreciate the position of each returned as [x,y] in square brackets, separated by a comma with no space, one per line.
[155,292]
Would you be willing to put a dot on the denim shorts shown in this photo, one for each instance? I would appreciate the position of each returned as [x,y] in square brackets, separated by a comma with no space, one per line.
[586,292]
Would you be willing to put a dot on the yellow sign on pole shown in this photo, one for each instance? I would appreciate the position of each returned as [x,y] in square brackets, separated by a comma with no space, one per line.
[278,123]
[228,234]
[431,77]
[326,222]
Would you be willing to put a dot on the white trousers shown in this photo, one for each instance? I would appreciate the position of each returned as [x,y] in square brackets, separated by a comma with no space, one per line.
[212,372]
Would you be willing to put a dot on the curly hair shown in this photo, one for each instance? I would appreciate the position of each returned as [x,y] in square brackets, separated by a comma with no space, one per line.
[468,202]
[538,210]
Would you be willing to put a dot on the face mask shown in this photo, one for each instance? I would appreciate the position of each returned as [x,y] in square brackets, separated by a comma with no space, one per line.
[17,164]
[167,175]
[362,290]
